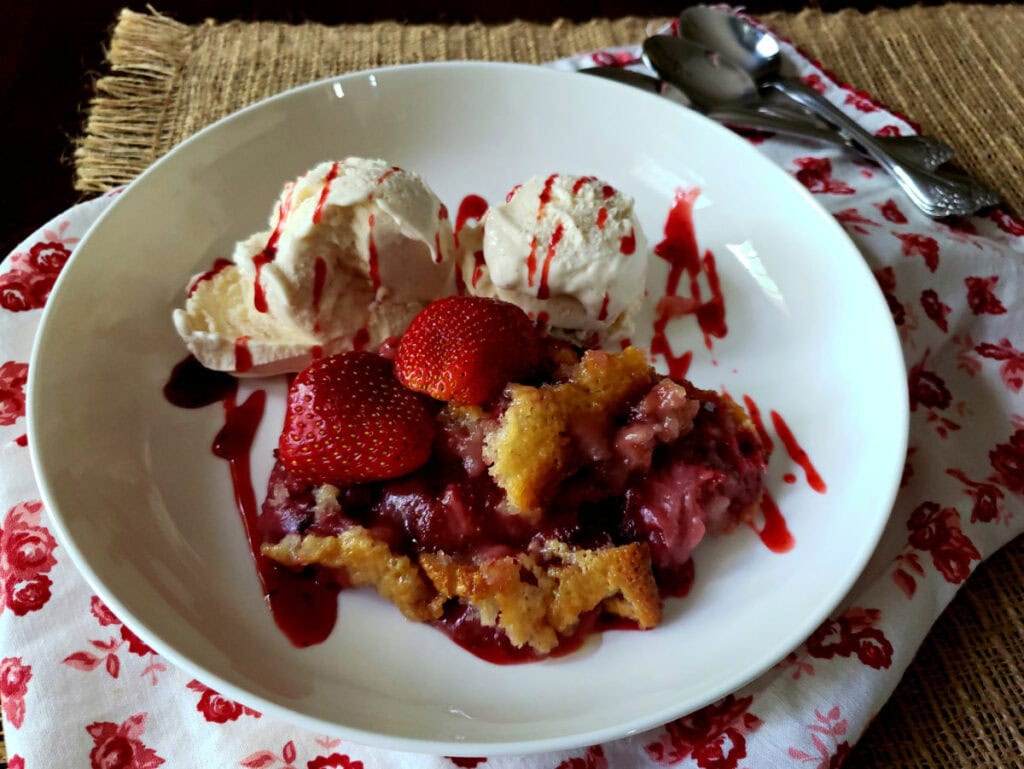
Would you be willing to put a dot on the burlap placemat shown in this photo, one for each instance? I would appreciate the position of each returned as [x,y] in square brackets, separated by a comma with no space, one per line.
[954,68]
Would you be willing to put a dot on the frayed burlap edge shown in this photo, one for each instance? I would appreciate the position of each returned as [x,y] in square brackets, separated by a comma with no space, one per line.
[167,80]
[147,55]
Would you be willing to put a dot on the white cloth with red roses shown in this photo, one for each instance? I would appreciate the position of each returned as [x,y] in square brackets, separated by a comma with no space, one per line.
[79,688]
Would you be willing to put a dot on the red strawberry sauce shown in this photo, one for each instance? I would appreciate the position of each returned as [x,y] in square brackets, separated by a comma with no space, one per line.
[545,194]
[243,358]
[259,296]
[332,174]
[270,250]
[543,292]
[627,243]
[797,454]
[191,385]
[472,208]
[578,185]
[305,609]
[680,250]
[218,265]
[775,534]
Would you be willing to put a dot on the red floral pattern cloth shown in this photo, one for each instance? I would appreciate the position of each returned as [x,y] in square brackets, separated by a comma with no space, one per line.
[79,688]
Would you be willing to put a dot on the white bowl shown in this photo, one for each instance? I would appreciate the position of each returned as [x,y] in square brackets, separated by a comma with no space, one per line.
[147,512]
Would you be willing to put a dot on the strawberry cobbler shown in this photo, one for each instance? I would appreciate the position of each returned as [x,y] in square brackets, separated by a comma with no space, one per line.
[506,486]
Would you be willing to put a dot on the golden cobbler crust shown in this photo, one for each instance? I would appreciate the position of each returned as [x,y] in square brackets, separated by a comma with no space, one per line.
[564,583]
[532,449]
[366,562]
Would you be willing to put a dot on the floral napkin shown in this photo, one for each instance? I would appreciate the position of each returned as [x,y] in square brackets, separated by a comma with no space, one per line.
[79,688]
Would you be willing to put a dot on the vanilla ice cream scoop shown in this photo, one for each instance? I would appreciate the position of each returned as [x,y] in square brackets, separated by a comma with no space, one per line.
[356,248]
[568,250]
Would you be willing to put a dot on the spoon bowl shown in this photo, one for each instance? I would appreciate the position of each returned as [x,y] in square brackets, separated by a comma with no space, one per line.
[757,54]
[725,92]
[734,39]
[708,78]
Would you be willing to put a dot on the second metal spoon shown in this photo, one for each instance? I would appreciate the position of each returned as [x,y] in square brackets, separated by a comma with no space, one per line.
[749,115]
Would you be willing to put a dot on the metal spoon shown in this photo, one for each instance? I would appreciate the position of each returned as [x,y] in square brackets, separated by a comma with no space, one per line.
[756,112]
[933,193]
[796,125]
[747,47]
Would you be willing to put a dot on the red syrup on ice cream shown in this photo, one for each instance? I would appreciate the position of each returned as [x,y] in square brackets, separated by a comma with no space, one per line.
[442,215]
[243,358]
[390,172]
[531,261]
[543,291]
[332,174]
[259,296]
[578,184]
[627,243]
[218,265]
[545,194]
[472,208]
[269,251]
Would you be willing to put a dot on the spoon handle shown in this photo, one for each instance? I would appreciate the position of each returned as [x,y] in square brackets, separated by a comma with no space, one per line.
[913,150]
[936,195]
[801,129]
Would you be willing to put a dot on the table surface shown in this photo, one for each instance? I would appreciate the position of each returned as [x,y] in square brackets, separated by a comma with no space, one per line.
[47,66]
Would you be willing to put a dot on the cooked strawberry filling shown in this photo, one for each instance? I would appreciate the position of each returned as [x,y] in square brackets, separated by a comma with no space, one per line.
[667,494]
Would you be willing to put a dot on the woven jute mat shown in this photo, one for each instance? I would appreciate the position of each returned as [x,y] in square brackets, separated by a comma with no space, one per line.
[955,69]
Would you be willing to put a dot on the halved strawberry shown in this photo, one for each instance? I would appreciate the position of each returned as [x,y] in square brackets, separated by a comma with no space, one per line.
[464,349]
[349,420]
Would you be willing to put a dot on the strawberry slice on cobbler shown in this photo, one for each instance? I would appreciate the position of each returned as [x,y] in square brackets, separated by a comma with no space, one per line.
[540,493]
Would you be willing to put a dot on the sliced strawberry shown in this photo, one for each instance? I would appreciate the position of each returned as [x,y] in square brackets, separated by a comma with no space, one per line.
[465,349]
[349,420]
